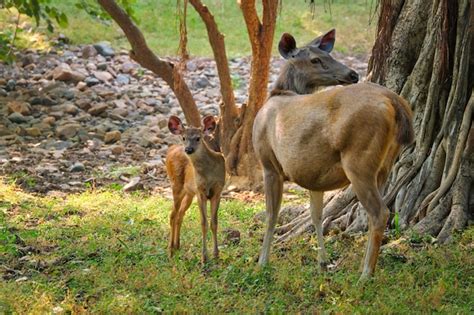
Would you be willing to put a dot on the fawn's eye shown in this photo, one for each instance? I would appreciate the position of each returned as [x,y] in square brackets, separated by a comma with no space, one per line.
[197,139]
[316,61]
[184,138]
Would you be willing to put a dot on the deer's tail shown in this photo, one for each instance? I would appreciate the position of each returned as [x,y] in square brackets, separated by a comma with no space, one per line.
[403,119]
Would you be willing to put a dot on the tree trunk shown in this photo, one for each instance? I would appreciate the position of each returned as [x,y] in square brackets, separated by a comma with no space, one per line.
[241,159]
[424,52]
[235,125]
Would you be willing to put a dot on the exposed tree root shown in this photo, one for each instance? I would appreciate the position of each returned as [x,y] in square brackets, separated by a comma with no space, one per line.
[431,185]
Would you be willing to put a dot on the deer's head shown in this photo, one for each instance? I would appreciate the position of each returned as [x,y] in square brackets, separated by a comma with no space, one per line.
[312,66]
[194,139]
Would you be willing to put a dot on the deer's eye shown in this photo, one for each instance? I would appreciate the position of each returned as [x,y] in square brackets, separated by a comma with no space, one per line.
[184,138]
[197,139]
[316,61]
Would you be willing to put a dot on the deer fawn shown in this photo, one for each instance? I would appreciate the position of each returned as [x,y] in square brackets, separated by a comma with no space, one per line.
[326,140]
[194,169]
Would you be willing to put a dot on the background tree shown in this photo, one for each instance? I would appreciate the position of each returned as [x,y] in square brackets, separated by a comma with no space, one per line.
[424,52]
[236,123]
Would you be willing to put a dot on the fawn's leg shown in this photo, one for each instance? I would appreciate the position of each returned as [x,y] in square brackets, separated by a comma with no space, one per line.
[203,209]
[185,203]
[215,200]
[177,198]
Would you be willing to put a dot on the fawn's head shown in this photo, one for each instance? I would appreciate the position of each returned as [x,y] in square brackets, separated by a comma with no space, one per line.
[311,66]
[193,138]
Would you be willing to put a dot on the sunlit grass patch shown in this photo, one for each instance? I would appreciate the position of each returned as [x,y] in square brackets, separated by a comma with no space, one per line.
[106,251]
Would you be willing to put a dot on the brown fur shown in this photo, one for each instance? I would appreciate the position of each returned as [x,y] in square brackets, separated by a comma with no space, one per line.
[326,140]
[201,173]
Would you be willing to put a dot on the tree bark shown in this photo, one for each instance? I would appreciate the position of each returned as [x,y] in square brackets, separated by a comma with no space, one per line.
[143,55]
[242,158]
[424,52]
[229,111]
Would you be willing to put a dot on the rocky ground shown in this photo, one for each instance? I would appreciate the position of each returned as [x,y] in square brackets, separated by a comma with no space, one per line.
[88,116]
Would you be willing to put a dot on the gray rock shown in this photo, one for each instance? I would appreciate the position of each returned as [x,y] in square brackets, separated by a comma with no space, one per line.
[56,145]
[69,94]
[3,92]
[102,66]
[122,79]
[91,81]
[11,85]
[97,109]
[103,76]
[18,118]
[133,185]
[89,51]
[77,167]
[128,67]
[42,100]
[202,82]
[67,131]
[104,49]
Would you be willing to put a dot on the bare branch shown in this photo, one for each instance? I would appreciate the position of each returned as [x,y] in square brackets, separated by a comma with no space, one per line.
[229,111]
[142,54]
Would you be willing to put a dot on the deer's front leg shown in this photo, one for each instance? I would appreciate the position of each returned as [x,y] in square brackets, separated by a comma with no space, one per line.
[316,208]
[202,199]
[273,192]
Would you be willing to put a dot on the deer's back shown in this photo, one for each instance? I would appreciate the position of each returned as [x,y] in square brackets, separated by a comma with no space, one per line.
[304,136]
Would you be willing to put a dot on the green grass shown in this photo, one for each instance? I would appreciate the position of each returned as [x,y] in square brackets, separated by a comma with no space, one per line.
[105,251]
[159,23]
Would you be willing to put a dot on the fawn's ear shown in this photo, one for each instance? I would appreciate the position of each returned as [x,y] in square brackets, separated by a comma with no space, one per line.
[325,42]
[175,125]
[287,45]
[208,124]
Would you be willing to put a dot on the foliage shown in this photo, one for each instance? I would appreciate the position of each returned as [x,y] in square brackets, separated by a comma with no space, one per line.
[105,252]
[159,24]
[39,10]
[49,12]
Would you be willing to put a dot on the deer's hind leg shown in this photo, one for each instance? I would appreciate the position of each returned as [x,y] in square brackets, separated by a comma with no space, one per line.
[215,201]
[177,199]
[365,186]
[184,206]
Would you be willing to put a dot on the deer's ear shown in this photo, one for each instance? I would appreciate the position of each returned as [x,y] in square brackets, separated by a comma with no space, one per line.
[208,124]
[326,41]
[175,125]
[287,45]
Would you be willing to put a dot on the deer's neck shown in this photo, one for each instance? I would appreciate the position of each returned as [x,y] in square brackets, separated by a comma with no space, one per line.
[204,158]
[290,82]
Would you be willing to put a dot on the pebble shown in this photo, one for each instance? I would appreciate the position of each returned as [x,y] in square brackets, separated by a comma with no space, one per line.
[77,167]
[104,49]
[97,109]
[19,107]
[67,131]
[89,51]
[18,118]
[112,136]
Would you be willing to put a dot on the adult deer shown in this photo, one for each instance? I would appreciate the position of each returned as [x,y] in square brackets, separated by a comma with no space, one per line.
[194,168]
[326,140]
